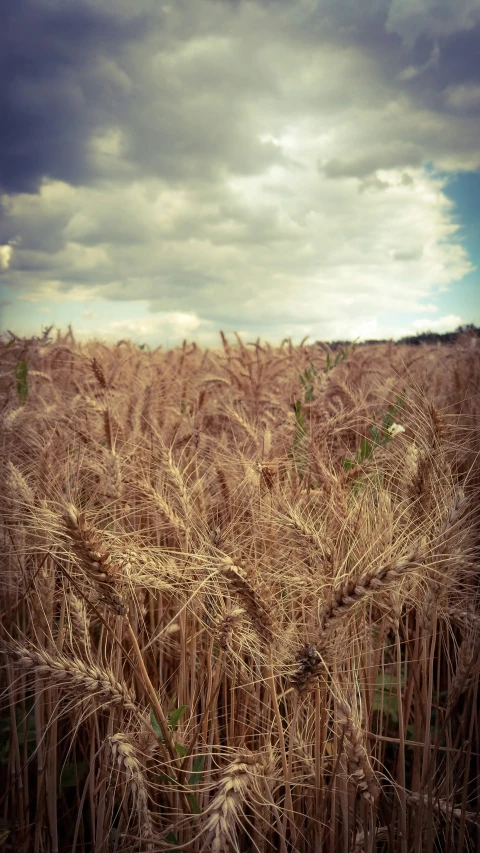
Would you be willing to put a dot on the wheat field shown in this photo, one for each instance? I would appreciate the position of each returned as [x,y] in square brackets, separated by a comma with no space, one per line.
[240,607]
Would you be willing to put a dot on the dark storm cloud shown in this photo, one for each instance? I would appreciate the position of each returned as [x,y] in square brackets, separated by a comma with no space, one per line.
[52,96]
[71,70]
[460,57]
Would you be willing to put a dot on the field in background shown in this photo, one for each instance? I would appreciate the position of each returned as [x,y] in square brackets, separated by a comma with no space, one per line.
[239,600]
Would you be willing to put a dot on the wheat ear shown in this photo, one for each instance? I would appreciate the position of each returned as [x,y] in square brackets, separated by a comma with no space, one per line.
[97,562]
[224,810]
[468,655]
[163,506]
[309,669]
[249,597]
[358,763]
[125,757]
[99,373]
[346,597]
[18,485]
[90,678]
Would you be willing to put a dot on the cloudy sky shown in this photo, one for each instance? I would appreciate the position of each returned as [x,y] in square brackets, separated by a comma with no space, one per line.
[271,167]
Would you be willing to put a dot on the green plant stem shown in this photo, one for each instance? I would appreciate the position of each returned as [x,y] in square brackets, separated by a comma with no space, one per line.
[157,708]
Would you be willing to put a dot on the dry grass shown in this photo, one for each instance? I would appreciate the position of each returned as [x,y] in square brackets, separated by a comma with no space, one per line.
[216,633]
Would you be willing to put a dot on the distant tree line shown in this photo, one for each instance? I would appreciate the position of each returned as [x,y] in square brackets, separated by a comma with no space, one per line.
[415,340]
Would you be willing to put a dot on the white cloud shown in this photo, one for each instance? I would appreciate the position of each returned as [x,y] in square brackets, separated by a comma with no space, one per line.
[443,324]
[287,245]
[170,327]
[110,143]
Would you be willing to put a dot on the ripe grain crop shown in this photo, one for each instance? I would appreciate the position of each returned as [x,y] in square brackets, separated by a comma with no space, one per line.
[240,605]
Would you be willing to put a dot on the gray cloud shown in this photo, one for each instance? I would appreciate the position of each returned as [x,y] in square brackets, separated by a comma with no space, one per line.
[234,160]
[433,18]
[393,155]
[186,86]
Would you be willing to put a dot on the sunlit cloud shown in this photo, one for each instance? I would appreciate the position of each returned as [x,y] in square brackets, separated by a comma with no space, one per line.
[5,257]
[442,324]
